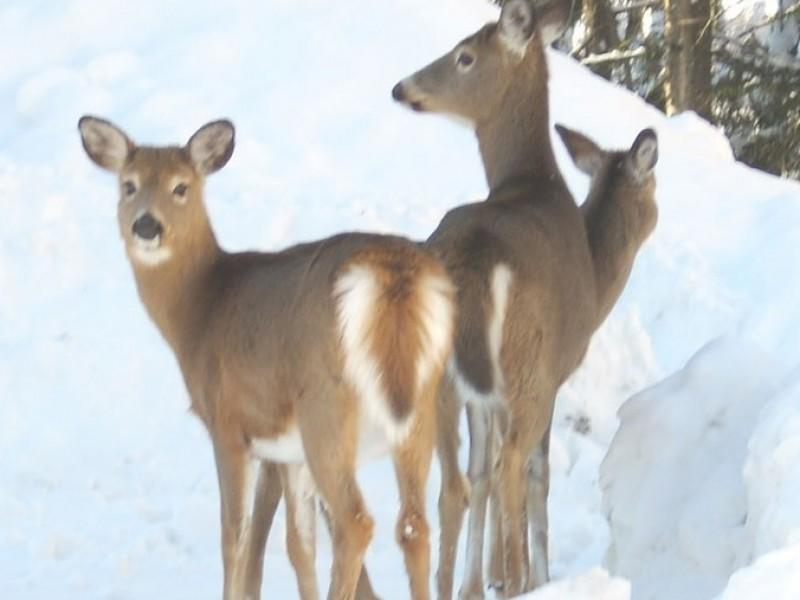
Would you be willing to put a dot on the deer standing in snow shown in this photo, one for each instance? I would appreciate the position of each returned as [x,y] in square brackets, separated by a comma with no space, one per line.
[523,270]
[290,359]
[620,212]
[527,291]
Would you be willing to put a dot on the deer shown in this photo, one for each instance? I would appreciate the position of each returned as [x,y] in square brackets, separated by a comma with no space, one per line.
[292,359]
[620,213]
[527,292]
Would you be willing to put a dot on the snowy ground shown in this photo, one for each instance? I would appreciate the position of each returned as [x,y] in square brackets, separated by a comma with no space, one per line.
[107,486]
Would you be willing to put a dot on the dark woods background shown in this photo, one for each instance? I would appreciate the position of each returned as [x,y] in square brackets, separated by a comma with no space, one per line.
[734,62]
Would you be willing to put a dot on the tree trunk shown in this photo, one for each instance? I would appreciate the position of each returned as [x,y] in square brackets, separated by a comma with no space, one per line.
[602,31]
[688,34]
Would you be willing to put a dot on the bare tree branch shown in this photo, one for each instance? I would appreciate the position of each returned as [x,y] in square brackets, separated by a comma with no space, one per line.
[637,5]
[790,10]
[613,56]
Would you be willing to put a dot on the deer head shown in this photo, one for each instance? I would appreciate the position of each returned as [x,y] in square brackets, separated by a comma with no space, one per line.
[636,164]
[160,212]
[471,81]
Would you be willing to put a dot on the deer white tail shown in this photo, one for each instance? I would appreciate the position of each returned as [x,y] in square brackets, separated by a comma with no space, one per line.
[397,327]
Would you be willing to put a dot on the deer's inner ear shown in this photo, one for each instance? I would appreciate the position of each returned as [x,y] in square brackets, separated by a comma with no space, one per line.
[105,143]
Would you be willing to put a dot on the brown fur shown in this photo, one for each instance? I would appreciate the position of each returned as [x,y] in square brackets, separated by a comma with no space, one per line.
[395,321]
[619,213]
[258,340]
[531,225]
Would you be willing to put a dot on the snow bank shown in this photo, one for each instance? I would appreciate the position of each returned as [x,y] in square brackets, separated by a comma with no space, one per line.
[775,575]
[701,477]
[592,585]
[772,473]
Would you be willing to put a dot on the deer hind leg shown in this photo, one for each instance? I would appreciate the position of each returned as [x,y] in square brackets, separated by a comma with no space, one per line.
[512,489]
[268,495]
[480,423]
[412,460]
[300,496]
[364,590]
[454,492]
[538,489]
[238,475]
[331,458]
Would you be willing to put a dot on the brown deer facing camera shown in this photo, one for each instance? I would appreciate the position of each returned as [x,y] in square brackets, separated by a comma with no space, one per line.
[290,359]
[530,290]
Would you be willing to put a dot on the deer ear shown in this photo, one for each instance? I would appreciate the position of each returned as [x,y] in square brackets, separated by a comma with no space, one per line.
[586,155]
[211,146]
[105,143]
[643,155]
[517,24]
[553,17]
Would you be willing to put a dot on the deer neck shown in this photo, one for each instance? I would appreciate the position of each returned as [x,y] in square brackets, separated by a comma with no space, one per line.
[178,293]
[515,140]
[617,228]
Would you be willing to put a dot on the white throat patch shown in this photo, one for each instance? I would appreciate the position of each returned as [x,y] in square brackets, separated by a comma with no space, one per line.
[149,253]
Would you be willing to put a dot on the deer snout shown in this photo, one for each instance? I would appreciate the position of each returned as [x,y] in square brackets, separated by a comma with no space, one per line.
[398,92]
[147,227]
[408,95]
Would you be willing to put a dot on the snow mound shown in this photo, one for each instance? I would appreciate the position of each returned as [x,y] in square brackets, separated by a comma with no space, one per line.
[592,585]
[701,475]
[772,476]
[775,575]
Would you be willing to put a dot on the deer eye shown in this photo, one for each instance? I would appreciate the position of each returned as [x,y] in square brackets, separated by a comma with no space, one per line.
[128,188]
[180,190]
[465,59]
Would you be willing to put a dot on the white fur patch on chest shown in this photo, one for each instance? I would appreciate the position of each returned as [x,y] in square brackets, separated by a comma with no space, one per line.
[285,448]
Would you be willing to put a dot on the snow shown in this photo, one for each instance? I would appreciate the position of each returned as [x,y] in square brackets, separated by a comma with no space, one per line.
[775,575]
[595,584]
[107,484]
[672,478]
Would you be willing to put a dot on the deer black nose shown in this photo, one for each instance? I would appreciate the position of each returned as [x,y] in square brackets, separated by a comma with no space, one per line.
[398,93]
[146,227]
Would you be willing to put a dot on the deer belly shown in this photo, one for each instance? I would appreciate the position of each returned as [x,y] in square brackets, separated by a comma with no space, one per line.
[285,448]
[373,443]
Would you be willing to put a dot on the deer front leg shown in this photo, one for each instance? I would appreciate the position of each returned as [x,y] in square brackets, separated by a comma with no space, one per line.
[496,562]
[538,489]
[238,475]
[496,544]
[364,590]
[268,495]
[512,490]
[479,419]
[300,496]
[454,492]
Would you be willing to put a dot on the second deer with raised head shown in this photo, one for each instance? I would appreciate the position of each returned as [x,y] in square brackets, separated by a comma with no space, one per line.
[620,213]
[535,277]
[290,357]
[527,300]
